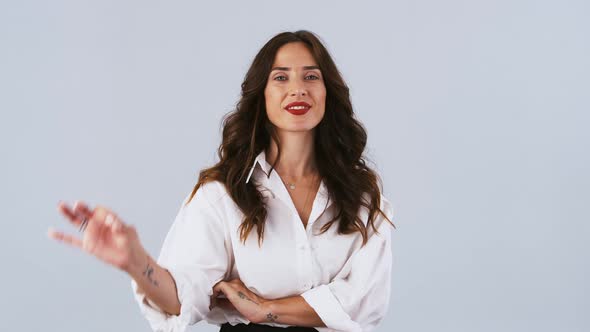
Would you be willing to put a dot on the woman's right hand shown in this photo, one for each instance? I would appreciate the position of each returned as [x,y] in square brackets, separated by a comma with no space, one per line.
[105,236]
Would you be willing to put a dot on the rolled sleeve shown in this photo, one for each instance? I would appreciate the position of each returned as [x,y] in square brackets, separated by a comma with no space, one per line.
[326,305]
[195,254]
[358,299]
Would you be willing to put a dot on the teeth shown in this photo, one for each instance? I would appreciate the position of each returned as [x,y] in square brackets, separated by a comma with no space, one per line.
[297,107]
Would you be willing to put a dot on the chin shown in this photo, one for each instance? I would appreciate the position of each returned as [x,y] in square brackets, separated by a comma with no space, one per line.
[301,128]
[295,127]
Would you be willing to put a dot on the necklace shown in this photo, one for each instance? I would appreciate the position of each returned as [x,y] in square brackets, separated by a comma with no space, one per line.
[291,186]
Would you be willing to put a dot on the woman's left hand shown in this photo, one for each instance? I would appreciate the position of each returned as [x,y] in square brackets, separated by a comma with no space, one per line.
[253,307]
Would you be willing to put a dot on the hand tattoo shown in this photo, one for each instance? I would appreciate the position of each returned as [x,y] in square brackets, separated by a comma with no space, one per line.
[243,296]
[271,317]
[148,272]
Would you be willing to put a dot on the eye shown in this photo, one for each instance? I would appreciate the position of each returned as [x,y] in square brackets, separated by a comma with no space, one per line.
[276,78]
[313,75]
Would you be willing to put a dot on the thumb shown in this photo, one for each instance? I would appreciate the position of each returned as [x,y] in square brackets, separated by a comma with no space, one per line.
[214,297]
[219,287]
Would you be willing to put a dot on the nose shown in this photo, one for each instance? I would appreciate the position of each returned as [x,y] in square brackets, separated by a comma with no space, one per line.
[297,92]
[297,89]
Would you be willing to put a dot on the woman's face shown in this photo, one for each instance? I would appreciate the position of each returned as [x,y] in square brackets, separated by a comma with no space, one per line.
[295,77]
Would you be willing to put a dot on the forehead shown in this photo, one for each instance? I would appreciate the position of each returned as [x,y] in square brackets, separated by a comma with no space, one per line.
[294,55]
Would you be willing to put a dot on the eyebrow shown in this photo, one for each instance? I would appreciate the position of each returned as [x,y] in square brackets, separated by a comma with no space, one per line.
[288,68]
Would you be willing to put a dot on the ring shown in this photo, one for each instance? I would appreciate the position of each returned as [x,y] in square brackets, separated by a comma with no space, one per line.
[83,225]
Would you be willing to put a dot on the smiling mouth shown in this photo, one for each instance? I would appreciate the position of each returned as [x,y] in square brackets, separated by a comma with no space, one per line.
[298,110]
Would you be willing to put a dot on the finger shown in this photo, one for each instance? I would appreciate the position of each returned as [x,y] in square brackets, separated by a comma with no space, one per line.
[83,224]
[100,213]
[61,237]
[115,224]
[217,288]
[212,301]
[92,234]
[223,290]
[81,209]
[76,215]
[64,209]
[103,228]
[217,294]
[220,287]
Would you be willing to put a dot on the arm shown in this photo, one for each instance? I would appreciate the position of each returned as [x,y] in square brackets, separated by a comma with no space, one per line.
[358,297]
[289,311]
[355,300]
[112,241]
[292,311]
[195,256]
[157,284]
[341,304]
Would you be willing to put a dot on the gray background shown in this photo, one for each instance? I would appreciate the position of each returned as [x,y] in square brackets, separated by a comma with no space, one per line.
[477,120]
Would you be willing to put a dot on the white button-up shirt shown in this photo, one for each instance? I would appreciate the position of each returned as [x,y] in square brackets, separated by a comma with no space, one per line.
[347,285]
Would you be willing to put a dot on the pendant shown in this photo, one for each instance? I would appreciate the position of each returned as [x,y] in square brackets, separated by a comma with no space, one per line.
[291,186]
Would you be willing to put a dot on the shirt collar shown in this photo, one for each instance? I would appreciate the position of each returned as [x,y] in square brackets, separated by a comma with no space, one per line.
[261,161]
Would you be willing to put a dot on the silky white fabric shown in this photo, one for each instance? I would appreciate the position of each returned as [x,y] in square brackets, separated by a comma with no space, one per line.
[346,284]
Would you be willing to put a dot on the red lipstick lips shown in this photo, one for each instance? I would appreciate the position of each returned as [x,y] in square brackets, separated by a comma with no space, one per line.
[298,107]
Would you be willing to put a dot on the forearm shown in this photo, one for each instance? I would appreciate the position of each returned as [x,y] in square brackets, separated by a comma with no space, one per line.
[157,284]
[292,311]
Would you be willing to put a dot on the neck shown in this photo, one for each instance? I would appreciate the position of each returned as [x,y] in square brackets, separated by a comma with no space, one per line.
[297,154]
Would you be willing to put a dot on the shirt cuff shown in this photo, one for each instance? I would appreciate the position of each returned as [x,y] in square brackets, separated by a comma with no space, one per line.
[191,311]
[326,305]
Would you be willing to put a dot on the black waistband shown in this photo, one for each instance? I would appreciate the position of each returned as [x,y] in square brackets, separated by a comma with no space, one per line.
[226,327]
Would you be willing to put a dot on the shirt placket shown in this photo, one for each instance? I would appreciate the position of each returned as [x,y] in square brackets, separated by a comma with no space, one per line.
[303,244]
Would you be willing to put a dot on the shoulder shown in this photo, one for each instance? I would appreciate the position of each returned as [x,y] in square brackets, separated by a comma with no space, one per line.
[386,206]
[384,219]
[209,194]
[201,208]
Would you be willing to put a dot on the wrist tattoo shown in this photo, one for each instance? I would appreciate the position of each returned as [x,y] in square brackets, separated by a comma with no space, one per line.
[148,273]
[271,317]
[243,296]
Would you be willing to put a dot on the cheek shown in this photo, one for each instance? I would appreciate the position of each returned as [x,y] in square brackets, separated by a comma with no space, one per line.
[266,96]
[320,92]
[321,97]
[272,103]
[272,98]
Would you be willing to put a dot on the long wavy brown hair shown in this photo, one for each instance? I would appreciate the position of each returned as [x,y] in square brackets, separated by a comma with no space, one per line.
[247,131]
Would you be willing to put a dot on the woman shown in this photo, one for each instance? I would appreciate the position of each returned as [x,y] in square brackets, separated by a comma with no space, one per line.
[289,228]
